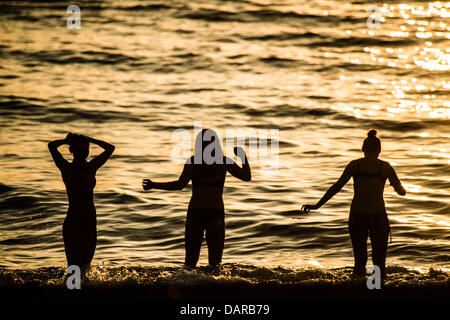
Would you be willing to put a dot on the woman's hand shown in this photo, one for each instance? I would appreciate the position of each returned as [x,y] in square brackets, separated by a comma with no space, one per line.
[238,151]
[308,207]
[68,137]
[147,184]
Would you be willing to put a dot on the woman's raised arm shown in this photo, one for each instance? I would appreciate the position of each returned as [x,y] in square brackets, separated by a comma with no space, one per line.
[56,155]
[243,173]
[100,160]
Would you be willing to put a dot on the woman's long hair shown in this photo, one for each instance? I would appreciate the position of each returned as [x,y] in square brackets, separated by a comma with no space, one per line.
[207,148]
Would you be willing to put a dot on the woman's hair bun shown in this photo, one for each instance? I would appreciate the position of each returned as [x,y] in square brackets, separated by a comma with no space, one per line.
[372,133]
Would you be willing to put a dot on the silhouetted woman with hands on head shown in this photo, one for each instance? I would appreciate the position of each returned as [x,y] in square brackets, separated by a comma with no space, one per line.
[367,212]
[79,228]
[207,169]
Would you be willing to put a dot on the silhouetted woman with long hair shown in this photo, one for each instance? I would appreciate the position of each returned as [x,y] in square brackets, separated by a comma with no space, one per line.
[207,169]
[368,215]
[79,228]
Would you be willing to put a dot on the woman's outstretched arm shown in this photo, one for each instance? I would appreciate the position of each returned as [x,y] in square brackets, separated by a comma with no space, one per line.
[335,188]
[56,155]
[395,181]
[100,160]
[243,173]
[179,184]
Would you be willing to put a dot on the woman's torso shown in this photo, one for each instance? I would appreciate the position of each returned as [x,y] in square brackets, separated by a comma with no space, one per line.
[80,182]
[207,187]
[369,177]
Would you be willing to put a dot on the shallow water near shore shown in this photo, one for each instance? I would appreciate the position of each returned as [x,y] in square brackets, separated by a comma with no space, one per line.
[227,275]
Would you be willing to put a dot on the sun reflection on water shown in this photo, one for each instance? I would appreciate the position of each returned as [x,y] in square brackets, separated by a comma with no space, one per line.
[419,96]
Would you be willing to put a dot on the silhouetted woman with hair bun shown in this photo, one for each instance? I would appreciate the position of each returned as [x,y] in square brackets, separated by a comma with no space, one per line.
[368,215]
[79,228]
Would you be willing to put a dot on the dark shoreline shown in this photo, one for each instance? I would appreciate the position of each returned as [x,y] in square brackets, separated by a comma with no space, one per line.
[170,301]
[235,292]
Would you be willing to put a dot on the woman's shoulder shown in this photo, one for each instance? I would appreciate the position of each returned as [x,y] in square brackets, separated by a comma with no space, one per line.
[385,163]
[353,163]
[224,161]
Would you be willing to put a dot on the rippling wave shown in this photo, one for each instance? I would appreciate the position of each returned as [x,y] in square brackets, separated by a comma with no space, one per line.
[229,274]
